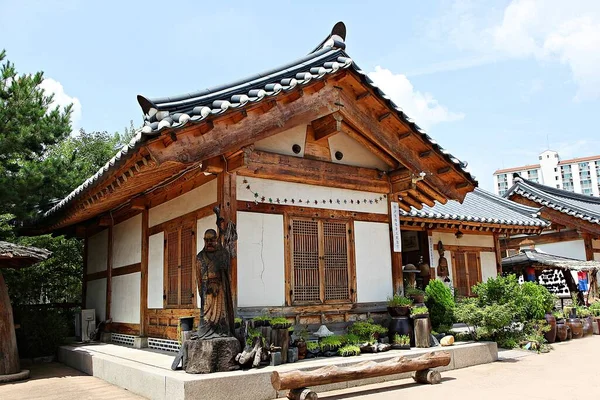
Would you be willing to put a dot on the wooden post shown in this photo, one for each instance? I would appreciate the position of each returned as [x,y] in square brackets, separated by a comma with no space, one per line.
[498,254]
[109,271]
[144,273]
[428,376]
[589,249]
[228,201]
[422,332]
[397,277]
[86,245]
[9,355]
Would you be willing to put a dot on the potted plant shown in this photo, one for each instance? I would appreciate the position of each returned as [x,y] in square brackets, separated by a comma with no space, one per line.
[279,323]
[419,312]
[237,323]
[417,295]
[312,349]
[349,350]
[301,343]
[367,330]
[261,320]
[401,342]
[399,306]
[330,344]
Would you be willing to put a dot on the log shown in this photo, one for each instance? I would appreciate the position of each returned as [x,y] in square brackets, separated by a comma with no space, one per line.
[281,338]
[422,332]
[368,369]
[9,355]
[428,376]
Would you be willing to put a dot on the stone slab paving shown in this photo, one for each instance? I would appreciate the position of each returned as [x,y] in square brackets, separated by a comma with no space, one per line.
[55,381]
[570,371]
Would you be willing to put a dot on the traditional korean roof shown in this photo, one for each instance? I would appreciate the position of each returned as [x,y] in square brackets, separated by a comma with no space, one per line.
[532,256]
[576,205]
[481,206]
[176,112]
[15,256]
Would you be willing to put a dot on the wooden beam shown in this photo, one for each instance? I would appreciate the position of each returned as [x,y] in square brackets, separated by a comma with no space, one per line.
[203,128]
[144,274]
[214,165]
[397,276]
[266,165]
[430,192]
[497,251]
[384,116]
[127,269]
[421,197]
[228,203]
[403,135]
[449,247]
[412,202]
[589,248]
[138,203]
[554,237]
[326,126]
[362,95]
[425,154]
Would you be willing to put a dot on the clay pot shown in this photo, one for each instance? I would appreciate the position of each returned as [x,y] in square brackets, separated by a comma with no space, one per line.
[301,349]
[399,311]
[588,329]
[596,325]
[417,298]
[551,334]
[562,331]
[576,327]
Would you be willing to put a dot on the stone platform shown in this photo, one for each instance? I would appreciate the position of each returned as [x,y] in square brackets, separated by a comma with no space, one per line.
[148,372]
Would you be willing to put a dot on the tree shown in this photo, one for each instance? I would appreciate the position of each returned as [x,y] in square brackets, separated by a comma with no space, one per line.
[28,125]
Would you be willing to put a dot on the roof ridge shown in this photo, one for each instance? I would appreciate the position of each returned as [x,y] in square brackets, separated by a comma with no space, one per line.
[562,192]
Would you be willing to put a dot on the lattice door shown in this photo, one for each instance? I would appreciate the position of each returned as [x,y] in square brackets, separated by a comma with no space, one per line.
[335,256]
[187,262]
[473,270]
[305,261]
[460,273]
[172,247]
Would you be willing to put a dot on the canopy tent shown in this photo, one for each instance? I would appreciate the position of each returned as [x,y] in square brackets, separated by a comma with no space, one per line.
[13,256]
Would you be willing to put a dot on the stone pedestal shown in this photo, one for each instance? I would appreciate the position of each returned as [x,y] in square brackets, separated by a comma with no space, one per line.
[212,355]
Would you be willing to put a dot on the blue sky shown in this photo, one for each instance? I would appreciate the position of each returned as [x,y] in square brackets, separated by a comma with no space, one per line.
[493,82]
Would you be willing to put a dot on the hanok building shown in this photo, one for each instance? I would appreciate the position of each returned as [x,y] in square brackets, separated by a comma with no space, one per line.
[470,234]
[306,159]
[575,220]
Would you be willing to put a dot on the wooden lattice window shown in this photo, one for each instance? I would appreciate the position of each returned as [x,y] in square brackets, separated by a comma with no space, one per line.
[466,268]
[180,248]
[320,261]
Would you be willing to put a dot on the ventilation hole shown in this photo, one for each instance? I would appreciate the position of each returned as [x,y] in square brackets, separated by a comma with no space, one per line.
[296,149]
[339,155]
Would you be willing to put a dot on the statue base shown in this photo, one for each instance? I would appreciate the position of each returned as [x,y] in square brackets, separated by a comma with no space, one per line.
[211,355]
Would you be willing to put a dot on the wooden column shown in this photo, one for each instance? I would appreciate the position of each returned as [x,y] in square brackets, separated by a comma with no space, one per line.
[9,355]
[497,250]
[109,263]
[84,277]
[144,273]
[228,203]
[589,249]
[397,277]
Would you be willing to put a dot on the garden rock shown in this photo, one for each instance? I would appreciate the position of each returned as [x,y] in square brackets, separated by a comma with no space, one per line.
[447,340]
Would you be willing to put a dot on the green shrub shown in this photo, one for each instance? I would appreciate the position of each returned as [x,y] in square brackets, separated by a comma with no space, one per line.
[366,330]
[398,301]
[413,291]
[312,346]
[350,338]
[535,301]
[485,321]
[42,332]
[440,303]
[583,312]
[333,342]
[349,350]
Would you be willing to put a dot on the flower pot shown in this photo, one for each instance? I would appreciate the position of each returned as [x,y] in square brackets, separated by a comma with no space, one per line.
[417,298]
[419,316]
[596,325]
[399,311]
[562,331]
[301,350]
[576,327]
[401,346]
[551,334]
[588,329]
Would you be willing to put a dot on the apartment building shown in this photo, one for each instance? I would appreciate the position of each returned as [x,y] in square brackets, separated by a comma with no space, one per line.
[578,175]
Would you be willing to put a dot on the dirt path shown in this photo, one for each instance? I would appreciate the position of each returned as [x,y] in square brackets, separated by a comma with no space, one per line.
[570,371]
[57,381]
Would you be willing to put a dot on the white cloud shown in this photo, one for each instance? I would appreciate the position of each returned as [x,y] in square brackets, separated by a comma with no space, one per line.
[547,30]
[62,99]
[423,108]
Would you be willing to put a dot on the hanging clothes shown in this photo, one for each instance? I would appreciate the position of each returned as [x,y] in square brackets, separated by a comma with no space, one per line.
[530,274]
[582,281]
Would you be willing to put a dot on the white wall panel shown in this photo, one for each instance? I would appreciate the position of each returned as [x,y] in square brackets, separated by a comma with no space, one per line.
[127,242]
[97,255]
[354,153]
[449,238]
[95,297]
[488,265]
[373,261]
[573,249]
[282,190]
[125,298]
[155,270]
[282,142]
[260,262]
[188,202]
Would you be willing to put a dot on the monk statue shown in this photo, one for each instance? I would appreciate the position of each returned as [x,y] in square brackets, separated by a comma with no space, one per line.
[443,263]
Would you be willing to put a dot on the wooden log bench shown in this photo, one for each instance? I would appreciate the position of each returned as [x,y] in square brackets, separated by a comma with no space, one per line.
[297,382]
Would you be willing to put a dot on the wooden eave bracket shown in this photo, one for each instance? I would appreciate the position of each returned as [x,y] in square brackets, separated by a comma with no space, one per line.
[327,126]
[213,165]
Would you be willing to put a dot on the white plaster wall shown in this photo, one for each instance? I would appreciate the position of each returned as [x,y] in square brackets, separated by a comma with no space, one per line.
[596,256]
[127,242]
[448,238]
[573,249]
[260,262]
[155,270]
[596,244]
[97,255]
[488,265]
[373,261]
[188,202]
[277,189]
[125,298]
[95,297]
[201,226]
[282,142]
[354,153]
